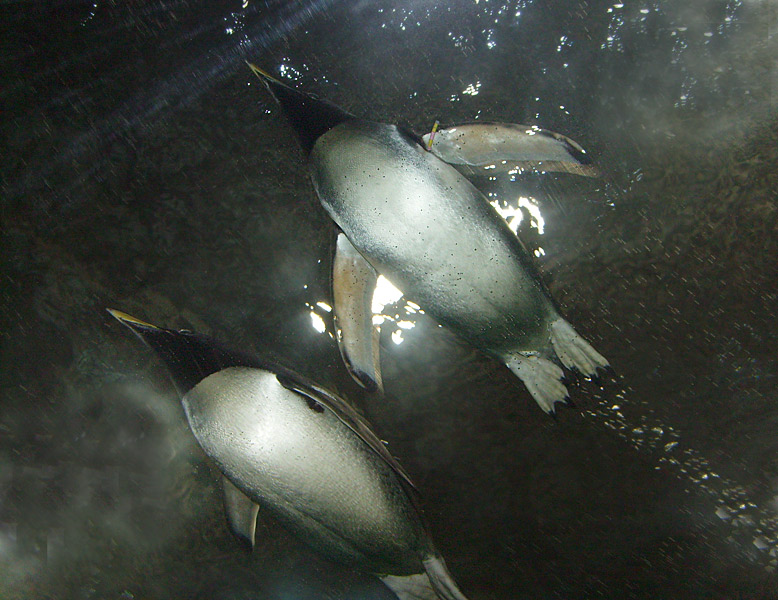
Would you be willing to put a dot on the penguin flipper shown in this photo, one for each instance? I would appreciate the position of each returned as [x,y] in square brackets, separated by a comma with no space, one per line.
[542,378]
[503,147]
[241,512]
[348,416]
[353,284]
[436,583]
[411,587]
[442,581]
[575,352]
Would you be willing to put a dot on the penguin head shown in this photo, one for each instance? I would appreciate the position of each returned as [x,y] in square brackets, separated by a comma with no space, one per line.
[310,116]
[190,357]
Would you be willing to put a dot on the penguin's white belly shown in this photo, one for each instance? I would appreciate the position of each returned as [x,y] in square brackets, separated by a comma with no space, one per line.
[308,468]
[430,232]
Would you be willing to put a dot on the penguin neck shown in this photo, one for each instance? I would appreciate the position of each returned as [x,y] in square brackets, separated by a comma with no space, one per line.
[191,357]
[310,117]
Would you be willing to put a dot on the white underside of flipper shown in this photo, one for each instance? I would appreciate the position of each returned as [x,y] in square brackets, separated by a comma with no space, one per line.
[573,351]
[353,285]
[435,584]
[542,378]
[411,587]
[441,579]
[241,512]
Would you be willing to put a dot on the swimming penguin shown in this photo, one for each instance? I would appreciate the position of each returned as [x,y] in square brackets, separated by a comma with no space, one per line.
[302,454]
[407,214]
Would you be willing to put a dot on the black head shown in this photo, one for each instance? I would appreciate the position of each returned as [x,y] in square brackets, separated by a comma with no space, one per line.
[310,116]
[189,357]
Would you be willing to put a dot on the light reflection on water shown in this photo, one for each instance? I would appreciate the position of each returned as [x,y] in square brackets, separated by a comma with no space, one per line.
[385,295]
[513,213]
[751,524]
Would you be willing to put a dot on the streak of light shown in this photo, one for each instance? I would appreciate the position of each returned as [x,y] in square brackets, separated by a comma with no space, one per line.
[178,89]
[751,523]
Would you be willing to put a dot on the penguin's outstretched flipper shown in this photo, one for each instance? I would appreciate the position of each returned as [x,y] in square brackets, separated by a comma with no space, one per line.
[435,584]
[542,378]
[241,513]
[575,352]
[503,147]
[353,284]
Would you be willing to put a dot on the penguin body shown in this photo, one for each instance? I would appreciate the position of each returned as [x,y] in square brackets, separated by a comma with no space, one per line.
[303,455]
[418,221]
[427,229]
[304,466]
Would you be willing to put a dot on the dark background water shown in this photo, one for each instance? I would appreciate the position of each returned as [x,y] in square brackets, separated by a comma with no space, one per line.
[146,170]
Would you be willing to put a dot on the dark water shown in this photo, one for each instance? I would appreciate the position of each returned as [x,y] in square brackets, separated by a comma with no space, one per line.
[146,170]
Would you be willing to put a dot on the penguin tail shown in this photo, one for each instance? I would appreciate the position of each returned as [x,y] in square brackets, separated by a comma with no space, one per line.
[436,583]
[573,351]
[442,581]
[542,378]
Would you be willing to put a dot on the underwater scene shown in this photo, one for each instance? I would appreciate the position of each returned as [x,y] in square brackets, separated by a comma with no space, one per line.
[363,300]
